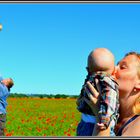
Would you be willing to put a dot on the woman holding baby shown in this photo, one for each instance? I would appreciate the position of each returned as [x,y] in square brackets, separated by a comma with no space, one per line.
[128,78]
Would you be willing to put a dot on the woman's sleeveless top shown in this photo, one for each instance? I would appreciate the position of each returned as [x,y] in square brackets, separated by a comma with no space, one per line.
[119,133]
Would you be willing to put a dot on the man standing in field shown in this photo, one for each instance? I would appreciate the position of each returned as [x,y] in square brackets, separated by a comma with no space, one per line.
[5,86]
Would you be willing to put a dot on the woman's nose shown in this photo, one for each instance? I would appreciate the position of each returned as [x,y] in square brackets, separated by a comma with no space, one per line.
[116,67]
[115,70]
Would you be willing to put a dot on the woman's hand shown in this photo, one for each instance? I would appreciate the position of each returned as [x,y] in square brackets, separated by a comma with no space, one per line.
[93,96]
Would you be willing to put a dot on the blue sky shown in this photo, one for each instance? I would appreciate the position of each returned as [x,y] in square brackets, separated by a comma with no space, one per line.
[44,46]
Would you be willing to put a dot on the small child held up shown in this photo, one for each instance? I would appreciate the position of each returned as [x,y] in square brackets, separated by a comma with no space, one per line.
[101,66]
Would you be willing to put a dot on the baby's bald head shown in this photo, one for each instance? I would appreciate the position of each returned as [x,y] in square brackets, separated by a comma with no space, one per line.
[101,59]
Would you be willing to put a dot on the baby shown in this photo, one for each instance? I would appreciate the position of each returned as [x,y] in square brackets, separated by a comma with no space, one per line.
[8,82]
[101,67]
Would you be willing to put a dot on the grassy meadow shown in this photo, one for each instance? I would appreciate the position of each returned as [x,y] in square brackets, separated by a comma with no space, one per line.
[41,117]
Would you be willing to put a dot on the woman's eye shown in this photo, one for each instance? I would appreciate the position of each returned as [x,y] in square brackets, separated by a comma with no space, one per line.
[123,66]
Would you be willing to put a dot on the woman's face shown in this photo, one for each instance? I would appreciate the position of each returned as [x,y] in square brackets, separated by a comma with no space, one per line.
[126,75]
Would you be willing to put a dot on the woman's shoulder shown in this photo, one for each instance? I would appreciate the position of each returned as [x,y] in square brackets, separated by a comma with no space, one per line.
[132,129]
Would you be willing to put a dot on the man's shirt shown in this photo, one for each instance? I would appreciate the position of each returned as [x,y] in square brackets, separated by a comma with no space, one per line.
[4,93]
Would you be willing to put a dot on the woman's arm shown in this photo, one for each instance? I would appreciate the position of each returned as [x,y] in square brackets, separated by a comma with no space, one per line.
[93,103]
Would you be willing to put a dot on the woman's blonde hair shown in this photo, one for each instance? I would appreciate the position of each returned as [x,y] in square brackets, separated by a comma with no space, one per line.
[138,57]
[136,107]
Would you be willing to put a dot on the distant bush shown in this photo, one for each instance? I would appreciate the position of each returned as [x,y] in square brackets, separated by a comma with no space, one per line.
[18,95]
[42,95]
[60,96]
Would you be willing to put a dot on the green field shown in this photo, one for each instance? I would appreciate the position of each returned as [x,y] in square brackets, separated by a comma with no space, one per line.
[41,117]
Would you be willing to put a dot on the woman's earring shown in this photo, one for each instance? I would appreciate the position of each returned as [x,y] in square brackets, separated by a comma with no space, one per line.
[135,89]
